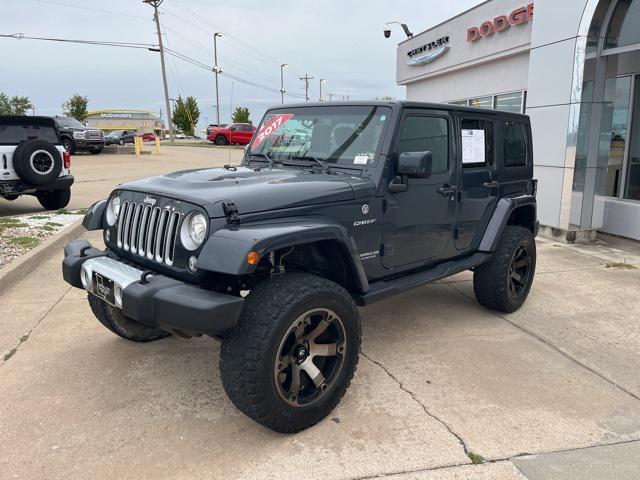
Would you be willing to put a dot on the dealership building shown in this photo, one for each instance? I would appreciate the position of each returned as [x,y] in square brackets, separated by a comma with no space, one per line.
[141,121]
[573,66]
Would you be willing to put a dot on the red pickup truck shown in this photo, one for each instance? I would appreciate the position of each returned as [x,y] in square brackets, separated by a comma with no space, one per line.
[240,133]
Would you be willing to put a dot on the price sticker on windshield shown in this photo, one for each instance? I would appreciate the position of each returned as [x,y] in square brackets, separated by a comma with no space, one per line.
[270,126]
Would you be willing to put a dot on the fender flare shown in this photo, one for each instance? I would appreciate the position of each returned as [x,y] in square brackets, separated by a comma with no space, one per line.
[505,207]
[94,218]
[226,249]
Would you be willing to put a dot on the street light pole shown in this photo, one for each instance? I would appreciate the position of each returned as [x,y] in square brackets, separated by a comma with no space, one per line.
[155,4]
[217,71]
[282,90]
[322,80]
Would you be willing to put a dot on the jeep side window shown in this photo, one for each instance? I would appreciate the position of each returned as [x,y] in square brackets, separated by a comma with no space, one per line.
[427,134]
[515,144]
[477,143]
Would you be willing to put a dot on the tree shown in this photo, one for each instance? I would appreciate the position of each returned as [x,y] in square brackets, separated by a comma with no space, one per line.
[186,115]
[76,107]
[241,115]
[14,105]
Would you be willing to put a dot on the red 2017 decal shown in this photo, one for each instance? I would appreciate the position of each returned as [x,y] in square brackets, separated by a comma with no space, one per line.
[270,126]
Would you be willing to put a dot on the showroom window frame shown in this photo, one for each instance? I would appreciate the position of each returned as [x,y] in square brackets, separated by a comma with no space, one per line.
[494,101]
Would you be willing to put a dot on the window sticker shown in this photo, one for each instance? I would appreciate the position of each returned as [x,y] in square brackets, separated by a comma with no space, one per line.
[270,126]
[473,148]
[361,159]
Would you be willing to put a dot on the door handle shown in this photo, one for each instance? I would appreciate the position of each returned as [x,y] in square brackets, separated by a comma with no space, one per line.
[494,184]
[446,190]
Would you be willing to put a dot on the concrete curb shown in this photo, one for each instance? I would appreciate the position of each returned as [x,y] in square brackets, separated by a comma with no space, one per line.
[20,268]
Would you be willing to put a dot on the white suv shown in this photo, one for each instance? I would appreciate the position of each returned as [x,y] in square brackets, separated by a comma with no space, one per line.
[33,161]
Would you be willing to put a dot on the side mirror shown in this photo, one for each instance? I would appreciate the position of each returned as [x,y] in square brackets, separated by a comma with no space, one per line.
[415,164]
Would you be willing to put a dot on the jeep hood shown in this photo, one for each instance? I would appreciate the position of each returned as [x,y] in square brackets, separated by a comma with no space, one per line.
[254,191]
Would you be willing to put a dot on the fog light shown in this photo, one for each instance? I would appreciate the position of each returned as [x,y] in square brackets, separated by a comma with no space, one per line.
[191,264]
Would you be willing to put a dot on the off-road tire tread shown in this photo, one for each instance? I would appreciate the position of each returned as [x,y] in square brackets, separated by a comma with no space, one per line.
[115,321]
[243,351]
[54,200]
[489,279]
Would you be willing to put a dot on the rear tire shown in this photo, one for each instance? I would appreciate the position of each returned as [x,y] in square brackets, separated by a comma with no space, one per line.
[54,200]
[221,140]
[115,321]
[96,151]
[503,283]
[293,354]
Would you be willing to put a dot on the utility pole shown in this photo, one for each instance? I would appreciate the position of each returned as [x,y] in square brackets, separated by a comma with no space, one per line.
[282,90]
[331,96]
[306,79]
[322,80]
[155,4]
[217,70]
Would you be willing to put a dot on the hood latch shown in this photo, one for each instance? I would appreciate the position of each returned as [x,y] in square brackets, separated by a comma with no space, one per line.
[231,212]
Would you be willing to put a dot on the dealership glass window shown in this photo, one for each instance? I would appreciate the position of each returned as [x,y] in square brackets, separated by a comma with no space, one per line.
[515,144]
[510,102]
[623,28]
[613,135]
[461,103]
[427,134]
[632,189]
[481,102]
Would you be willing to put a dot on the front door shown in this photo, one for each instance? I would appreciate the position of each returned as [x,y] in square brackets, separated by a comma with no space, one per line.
[478,187]
[419,222]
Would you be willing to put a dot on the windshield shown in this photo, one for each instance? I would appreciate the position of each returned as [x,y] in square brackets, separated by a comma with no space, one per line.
[346,135]
[69,123]
[115,133]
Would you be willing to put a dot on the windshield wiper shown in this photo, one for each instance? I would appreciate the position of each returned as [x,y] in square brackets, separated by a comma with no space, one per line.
[323,164]
[265,156]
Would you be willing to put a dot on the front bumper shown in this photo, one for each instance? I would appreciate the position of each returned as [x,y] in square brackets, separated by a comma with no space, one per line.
[156,300]
[84,144]
[17,187]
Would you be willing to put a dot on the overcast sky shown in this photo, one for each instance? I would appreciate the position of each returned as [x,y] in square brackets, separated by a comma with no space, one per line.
[338,40]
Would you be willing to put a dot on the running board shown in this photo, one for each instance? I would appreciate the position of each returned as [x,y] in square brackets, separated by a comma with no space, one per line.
[387,288]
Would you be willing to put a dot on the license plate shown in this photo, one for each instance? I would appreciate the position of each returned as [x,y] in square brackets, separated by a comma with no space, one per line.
[103,288]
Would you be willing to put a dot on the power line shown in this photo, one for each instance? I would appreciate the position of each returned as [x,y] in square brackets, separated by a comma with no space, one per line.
[80,7]
[306,79]
[21,36]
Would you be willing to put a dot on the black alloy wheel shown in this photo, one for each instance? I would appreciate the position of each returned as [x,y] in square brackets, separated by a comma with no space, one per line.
[519,271]
[310,357]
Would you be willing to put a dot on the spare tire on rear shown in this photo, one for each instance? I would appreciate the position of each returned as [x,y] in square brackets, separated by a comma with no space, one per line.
[37,162]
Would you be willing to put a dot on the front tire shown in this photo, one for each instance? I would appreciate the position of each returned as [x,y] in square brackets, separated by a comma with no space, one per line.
[115,321]
[54,200]
[294,352]
[503,283]
[69,145]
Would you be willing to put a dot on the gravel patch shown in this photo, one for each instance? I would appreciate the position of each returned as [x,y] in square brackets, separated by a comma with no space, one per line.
[20,234]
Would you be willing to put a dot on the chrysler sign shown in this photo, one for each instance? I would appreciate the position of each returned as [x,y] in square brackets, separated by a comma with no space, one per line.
[519,16]
[428,52]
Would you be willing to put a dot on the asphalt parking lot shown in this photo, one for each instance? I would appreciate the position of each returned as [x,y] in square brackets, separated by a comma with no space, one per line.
[552,391]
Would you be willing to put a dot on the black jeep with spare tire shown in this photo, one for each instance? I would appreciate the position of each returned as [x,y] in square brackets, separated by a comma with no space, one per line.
[334,206]
[33,161]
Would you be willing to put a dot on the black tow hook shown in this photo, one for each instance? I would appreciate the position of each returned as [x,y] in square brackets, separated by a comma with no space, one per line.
[84,249]
[144,276]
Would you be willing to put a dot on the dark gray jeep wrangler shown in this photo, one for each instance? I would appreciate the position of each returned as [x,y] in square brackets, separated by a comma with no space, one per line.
[334,205]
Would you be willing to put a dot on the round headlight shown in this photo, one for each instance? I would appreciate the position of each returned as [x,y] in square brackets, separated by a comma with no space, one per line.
[113,210]
[194,230]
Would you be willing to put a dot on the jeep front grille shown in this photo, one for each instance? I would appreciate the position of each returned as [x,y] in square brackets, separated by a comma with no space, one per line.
[148,231]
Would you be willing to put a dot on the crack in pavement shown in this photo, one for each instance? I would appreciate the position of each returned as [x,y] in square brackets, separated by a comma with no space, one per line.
[25,337]
[422,405]
[554,347]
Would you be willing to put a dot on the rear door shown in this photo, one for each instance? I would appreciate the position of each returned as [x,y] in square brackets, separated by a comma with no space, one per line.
[418,226]
[478,176]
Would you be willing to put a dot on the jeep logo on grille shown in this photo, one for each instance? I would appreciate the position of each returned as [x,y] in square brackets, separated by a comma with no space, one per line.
[149,200]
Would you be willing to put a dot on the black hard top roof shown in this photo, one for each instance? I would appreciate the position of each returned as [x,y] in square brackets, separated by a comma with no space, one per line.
[24,120]
[399,104]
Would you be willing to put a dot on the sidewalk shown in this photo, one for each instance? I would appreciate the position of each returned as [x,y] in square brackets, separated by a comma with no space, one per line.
[538,394]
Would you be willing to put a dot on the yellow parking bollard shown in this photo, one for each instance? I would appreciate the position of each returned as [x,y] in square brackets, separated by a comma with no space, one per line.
[136,145]
[157,145]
